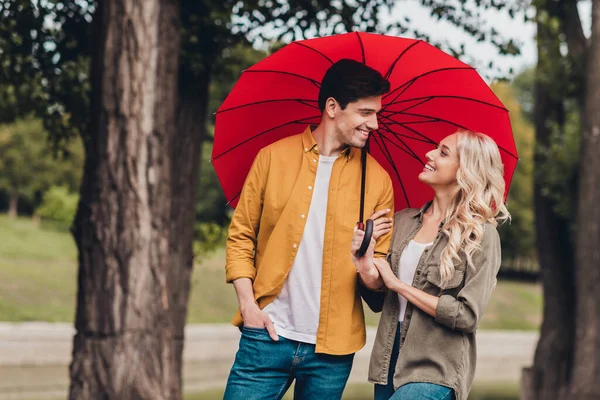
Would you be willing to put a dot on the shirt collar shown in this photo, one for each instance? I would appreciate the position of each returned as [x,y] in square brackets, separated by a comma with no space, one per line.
[419,213]
[309,144]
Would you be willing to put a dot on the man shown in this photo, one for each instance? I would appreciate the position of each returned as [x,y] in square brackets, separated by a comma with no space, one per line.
[288,247]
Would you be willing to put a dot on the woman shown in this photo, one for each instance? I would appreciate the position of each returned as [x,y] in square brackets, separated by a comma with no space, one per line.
[440,273]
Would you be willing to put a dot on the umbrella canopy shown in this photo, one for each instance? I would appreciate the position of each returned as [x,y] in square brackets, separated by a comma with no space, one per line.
[432,96]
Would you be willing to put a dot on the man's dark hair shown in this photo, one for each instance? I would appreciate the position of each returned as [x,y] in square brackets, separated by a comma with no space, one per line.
[348,80]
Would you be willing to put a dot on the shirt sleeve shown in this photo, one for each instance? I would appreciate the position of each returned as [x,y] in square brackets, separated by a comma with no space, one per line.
[243,231]
[464,312]
[375,299]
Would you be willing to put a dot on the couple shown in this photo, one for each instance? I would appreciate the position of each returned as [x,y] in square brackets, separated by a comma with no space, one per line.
[290,256]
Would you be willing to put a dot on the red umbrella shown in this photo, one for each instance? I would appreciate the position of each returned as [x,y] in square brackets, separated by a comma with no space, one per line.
[432,96]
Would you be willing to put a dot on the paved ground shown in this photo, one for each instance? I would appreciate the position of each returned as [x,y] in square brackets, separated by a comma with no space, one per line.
[34,357]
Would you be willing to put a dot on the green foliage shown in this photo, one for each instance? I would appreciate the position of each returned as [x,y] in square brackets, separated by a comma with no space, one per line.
[20,78]
[211,205]
[25,160]
[559,169]
[518,237]
[523,85]
[28,166]
[209,236]
[230,65]
[58,206]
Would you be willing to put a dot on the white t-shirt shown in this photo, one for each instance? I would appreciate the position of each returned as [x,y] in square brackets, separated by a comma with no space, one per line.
[409,261]
[295,311]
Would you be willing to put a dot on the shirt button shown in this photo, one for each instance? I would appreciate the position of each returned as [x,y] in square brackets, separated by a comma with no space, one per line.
[303,216]
[314,160]
[310,188]
[306,149]
[295,245]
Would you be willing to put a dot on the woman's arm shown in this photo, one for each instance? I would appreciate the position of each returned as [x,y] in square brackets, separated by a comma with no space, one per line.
[464,311]
[418,298]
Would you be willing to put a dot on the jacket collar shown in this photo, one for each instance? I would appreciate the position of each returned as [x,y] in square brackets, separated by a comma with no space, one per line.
[419,213]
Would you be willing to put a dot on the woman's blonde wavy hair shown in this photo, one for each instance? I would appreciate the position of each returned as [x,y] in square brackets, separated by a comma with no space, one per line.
[478,199]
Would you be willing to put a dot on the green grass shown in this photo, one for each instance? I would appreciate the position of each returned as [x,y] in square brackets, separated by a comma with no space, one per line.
[23,240]
[514,305]
[38,272]
[496,391]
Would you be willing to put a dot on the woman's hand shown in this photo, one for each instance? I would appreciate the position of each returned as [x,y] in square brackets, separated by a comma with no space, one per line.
[364,265]
[381,223]
[387,275]
[417,297]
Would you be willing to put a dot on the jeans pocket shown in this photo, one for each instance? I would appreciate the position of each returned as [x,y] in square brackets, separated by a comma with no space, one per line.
[249,328]
[260,334]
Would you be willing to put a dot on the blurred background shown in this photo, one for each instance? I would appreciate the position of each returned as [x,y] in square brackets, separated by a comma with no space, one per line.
[55,79]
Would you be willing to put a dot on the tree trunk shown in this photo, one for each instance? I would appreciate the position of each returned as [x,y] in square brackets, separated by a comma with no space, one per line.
[130,314]
[550,375]
[13,205]
[586,372]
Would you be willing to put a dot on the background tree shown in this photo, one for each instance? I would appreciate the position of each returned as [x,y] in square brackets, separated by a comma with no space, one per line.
[567,357]
[27,165]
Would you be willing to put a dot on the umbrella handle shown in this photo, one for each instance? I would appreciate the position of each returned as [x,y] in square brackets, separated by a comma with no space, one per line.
[368,227]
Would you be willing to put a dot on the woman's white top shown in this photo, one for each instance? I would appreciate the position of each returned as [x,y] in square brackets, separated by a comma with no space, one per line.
[408,265]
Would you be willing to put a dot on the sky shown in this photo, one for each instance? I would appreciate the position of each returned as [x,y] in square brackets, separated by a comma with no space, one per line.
[479,55]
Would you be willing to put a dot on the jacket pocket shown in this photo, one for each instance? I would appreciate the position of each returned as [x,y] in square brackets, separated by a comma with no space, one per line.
[434,277]
[351,211]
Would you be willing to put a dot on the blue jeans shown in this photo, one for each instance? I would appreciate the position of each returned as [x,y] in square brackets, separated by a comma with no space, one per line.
[265,369]
[413,390]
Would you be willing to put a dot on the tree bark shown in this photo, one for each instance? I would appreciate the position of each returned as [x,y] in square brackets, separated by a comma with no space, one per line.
[577,45]
[550,375]
[586,372]
[13,205]
[130,315]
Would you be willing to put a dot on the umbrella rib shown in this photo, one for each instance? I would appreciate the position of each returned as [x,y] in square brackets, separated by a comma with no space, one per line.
[302,101]
[233,198]
[388,156]
[362,48]
[405,86]
[298,121]
[417,122]
[314,82]
[426,139]
[446,97]
[399,147]
[454,124]
[413,80]
[414,155]
[424,100]
[391,69]
[313,49]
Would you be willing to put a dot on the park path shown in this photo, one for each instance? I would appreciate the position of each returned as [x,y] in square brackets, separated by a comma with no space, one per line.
[34,357]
